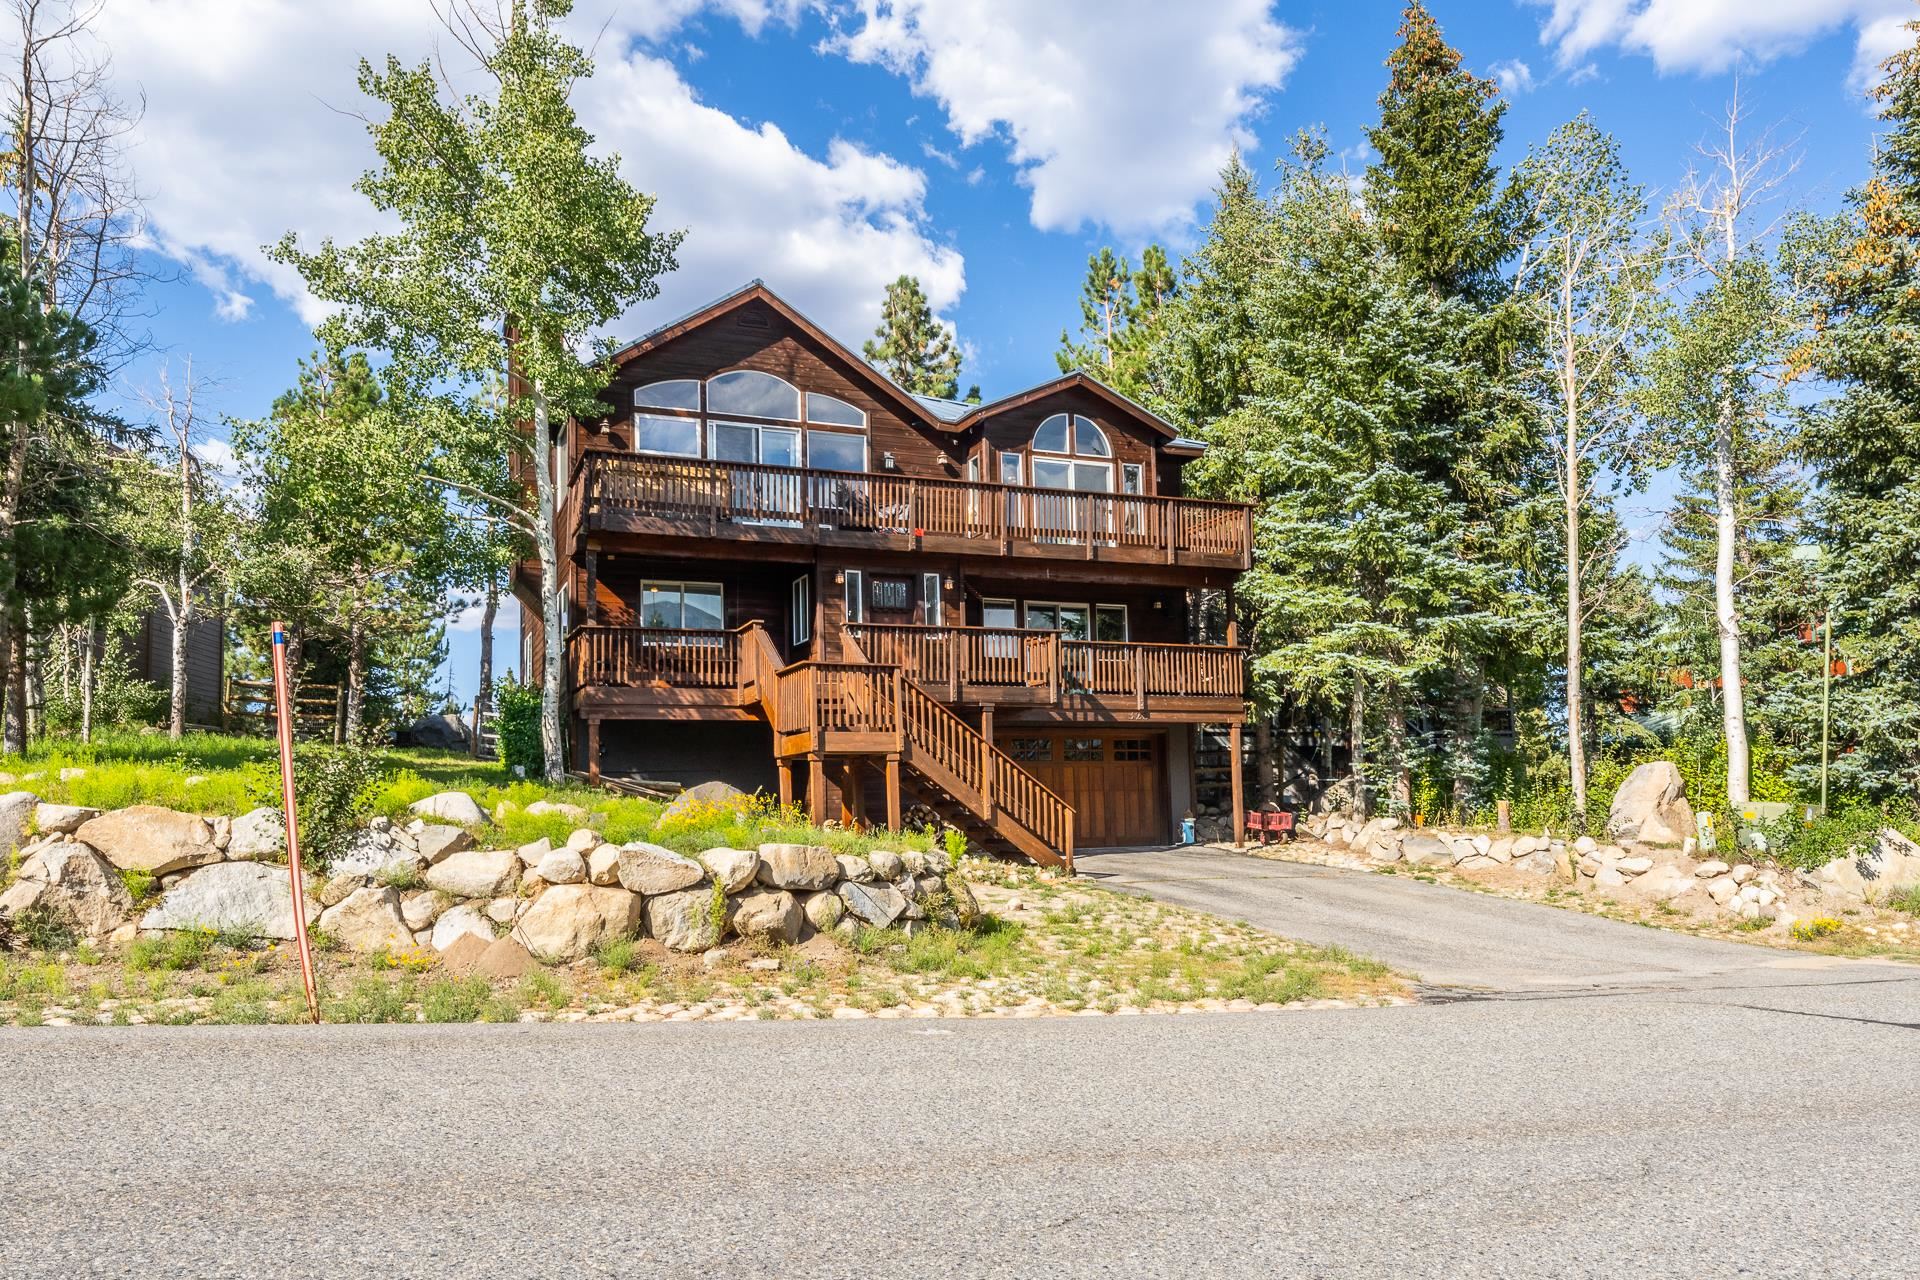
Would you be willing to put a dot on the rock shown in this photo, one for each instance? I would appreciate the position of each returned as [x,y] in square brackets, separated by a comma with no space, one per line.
[733,868]
[476,873]
[16,811]
[1590,865]
[375,852]
[1477,862]
[257,835]
[1524,845]
[456,807]
[798,866]
[1608,878]
[221,827]
[1586,844]
[72,775]
[768,915]
[583,840]
[236,896]
[877,904]
[1374,830]
[1423,847]
[702,797]
[445,731]
[715,958]
[569,920]
[1633,866]
[421,908]
[764,964]
[534,850]
[1503,849]
[1651,806]
[1711,869]
[504,910]
[683,921]
[60,819]
[571,812]
[822,909]
[436,841]
[1892,864]
[146,837]
[1721,889]
[1742,872]
[960,910]
[338,888]
[603,865]
[460,922]
[72,883]
[854,867]
[562,866]
[652,869]
[504,960]
[918,863]
[368,920]
[1664,882]
[884,863]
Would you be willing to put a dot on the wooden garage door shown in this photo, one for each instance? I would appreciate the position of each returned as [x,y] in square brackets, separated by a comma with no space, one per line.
[1116,782]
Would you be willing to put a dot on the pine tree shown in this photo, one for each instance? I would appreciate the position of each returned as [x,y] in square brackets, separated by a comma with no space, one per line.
[1121,313]
[912,347]
[1204,354]
[1865,268]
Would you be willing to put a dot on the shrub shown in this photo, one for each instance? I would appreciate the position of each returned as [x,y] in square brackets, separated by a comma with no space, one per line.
[617,956]
[1846,833]
[516,726]
[333,787]
[455,1000]
[1818,927]
[956,847]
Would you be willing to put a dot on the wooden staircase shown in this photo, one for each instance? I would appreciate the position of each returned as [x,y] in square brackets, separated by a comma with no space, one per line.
[867,709]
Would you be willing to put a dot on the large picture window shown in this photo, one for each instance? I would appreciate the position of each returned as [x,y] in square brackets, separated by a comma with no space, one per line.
[673,418]
[1071,452]
[696,606]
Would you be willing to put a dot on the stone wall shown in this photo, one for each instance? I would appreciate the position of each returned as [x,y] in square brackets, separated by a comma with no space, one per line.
[433,882]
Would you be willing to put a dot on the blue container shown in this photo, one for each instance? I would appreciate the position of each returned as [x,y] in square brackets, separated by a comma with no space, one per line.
[1186,831]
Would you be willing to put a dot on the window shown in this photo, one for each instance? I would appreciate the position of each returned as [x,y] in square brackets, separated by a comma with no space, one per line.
[998,613]
[800,624]
[1070,620]
[856,597]
[892,593]
[754,394]
[1132,750]
[930,611]
[1074,438]
[1133,478]
[1031,750]
[677,393]
[696,606]
[834,411]
[836,451]
[677,437]
[1110,622]
[1082,749]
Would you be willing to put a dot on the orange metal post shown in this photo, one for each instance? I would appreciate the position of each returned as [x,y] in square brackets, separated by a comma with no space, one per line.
[285,719]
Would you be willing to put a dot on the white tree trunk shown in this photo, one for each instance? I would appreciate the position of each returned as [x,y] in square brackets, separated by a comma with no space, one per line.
[87,680]
[1733,701]
[356,677]
[182,620]
[1576,699]
[552,678]
[1357,744]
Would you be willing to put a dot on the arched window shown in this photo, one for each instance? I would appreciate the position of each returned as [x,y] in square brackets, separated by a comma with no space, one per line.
[753,394]
[833,411]
[1074,443]
[675,393]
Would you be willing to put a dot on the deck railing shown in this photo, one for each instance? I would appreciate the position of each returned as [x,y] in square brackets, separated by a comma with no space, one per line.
[704,495]
[1012,658]
[636,657]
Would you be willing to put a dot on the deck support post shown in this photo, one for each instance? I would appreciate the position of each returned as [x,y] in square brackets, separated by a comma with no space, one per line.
[853,810]
[785,774]
[1239,786]
[593,750]
[816,787]
[1233,620]
[593,585]
[893,790]
[986,762]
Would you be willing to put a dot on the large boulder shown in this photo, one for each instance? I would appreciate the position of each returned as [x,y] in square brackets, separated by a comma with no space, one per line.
[768,915]
[797,866]
[245,897]
[1651,806]
[569,920]
[1665,882]
[373,852]
[149,838]
[704,797]
[877,904]
[368,920]
[653,869]
[16,811]
[1892,864]
[444,730]
[61,819]
[823,909]
[437,840]
[683,921]
[475,873]
[459,922]
[603,865]
[420,909]
[562,866]
[1423,847]
[257,835]
[70,881]
[733,868]
[456,807]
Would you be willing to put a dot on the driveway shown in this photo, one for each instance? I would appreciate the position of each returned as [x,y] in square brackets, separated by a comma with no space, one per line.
[1447,937]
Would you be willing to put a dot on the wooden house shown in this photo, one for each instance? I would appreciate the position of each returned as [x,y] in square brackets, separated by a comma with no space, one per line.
[784,571]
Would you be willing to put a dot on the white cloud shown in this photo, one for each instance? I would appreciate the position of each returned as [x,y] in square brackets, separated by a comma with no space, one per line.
[506,619]
[249,134]
[1513,76]
[1712,35]
[218,460]
[1114,111]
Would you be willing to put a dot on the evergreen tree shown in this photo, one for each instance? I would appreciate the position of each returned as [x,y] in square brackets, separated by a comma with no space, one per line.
[912,347]
[1204,356]
[1865,268]
[1121,313]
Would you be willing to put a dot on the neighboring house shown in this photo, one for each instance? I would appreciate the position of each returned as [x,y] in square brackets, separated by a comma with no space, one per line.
[150,653]
[784,571]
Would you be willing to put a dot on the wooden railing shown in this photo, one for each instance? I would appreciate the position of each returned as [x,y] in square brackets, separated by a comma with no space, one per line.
[705,495]
[682,658]
[1006,657]
[1000,787]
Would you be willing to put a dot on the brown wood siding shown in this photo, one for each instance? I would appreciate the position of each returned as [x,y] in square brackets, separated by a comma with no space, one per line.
[1013,430]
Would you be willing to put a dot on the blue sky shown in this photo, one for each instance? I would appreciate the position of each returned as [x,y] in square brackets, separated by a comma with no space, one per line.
[986,145]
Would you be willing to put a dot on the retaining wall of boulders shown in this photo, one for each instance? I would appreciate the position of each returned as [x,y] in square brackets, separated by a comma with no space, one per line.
[434,882]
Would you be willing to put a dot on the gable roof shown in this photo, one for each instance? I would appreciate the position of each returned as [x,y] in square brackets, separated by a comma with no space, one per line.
[949,415]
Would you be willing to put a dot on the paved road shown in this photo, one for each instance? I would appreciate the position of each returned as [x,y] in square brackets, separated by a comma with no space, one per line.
[1445,936]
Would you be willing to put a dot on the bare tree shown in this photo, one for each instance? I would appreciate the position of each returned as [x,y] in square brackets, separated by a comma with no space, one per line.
[1738,330]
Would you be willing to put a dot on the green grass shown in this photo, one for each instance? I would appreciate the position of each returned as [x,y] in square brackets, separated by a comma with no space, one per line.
[1907,900]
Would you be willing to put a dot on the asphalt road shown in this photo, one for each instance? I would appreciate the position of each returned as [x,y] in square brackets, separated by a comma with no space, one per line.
[1756,1123]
